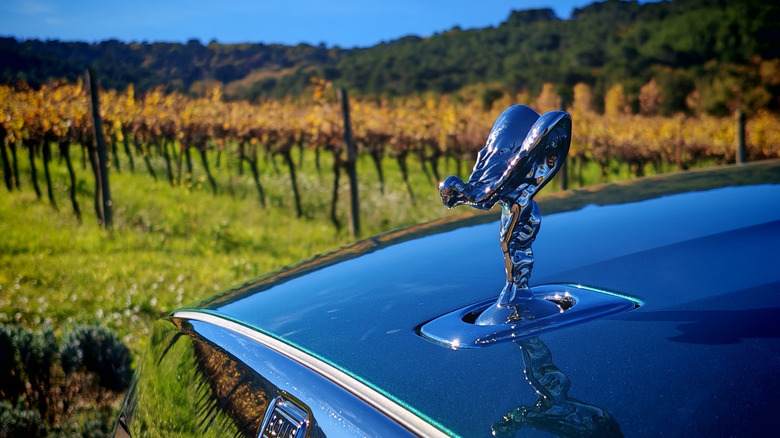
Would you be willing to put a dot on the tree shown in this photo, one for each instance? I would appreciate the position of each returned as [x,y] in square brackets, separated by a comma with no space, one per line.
[583,98]
[548,99]
[615,101]
[650,98]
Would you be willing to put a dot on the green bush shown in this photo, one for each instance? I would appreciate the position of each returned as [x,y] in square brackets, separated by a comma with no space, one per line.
[11,369]
[26,357]
[19,421]
[45,385]
[99,350]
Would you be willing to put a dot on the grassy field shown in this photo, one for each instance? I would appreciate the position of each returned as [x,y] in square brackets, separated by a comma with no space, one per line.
[171,245]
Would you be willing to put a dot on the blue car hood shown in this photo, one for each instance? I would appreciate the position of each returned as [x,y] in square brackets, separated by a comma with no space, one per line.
[700,356]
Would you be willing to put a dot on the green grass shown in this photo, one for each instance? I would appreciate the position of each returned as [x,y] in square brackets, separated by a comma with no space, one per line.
[171,245]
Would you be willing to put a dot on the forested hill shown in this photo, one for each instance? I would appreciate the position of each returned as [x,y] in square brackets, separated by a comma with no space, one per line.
[710,47]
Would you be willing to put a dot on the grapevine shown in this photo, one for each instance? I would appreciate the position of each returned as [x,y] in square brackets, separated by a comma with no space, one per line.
[431,128]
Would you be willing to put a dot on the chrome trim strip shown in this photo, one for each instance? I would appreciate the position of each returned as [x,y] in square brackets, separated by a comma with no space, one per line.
[378,401]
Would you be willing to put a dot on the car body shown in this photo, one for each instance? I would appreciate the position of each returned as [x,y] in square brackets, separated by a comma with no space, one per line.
[335,346]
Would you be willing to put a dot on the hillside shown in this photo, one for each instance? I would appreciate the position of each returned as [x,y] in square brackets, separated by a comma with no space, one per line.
[724,50]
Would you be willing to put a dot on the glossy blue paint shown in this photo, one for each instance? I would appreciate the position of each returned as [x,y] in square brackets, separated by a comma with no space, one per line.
[701,356]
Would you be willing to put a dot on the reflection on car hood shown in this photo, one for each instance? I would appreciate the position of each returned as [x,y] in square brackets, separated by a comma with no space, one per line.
[702,355]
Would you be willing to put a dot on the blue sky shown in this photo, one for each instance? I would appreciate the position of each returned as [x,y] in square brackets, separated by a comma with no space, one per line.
[346,23]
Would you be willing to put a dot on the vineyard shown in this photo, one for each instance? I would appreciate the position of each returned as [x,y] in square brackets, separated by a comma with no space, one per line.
[205,191]
[275,133]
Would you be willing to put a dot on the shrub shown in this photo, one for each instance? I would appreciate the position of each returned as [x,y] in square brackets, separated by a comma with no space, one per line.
[26,356]
[50,382]
[11,369]
[99,350]
[19,421]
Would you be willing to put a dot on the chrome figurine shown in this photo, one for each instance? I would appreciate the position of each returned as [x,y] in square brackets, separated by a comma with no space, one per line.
[523,152]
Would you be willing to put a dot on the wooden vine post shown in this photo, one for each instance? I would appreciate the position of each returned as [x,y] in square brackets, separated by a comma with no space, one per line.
[350,165]
[103,190]
[7,175]
[741,155]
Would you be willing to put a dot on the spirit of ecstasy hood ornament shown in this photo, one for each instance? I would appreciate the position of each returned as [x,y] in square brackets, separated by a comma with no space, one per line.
[523,152]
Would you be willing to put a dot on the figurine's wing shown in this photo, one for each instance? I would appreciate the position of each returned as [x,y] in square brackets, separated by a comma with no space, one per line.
[540,155]
[523,148]
[503,144]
